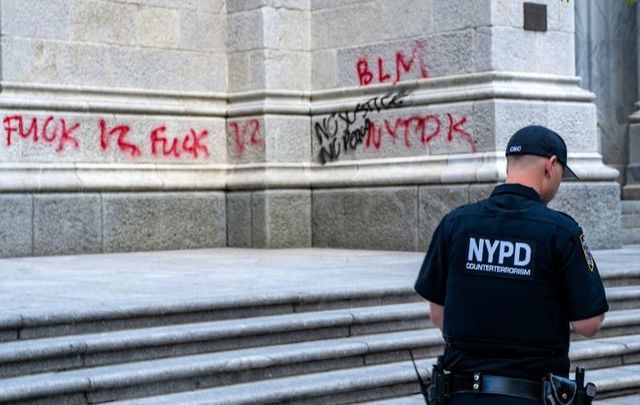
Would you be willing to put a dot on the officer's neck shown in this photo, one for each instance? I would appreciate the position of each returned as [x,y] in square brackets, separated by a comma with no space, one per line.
[526,181]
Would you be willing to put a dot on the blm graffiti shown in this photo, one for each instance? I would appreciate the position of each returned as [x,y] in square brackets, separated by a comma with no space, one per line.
[363,127]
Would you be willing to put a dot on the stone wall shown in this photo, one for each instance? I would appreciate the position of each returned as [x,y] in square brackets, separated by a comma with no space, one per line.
[607,63]
[160,124]
[113,117]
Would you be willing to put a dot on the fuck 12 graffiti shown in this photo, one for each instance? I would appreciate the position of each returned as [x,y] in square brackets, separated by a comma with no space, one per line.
[62,135]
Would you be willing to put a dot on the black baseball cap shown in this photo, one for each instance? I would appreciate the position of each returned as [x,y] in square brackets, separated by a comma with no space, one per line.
[540,141]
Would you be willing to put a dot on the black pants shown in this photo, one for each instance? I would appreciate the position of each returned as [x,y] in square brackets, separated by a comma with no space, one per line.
[487,399]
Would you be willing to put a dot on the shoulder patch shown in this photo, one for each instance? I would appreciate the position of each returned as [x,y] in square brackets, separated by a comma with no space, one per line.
[587,253]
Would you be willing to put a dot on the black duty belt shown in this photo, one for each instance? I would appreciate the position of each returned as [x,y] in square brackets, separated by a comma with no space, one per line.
[479,383]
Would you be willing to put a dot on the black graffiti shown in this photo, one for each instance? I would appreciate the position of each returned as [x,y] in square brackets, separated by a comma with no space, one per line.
[338,132]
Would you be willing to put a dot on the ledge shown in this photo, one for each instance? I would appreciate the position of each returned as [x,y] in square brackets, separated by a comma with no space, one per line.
[444,169]
[440,90]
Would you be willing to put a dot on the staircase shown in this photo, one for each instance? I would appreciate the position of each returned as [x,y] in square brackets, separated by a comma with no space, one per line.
[346,347]
[630,222]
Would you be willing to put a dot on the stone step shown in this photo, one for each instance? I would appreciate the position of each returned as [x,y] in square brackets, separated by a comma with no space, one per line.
[624,400]
[625,273]
[373,383]
[630,236]
[617,381]
[631,220]
[77,351]
[178,374]
[626,297]
[54,322]
[416,399]
[51,323]
[334,387]
[92,350]
[605,352]
[133,380]
[630,207]
[419,400]
[618,268]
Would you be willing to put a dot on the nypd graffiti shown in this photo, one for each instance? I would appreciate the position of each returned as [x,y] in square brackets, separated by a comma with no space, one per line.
[501,258]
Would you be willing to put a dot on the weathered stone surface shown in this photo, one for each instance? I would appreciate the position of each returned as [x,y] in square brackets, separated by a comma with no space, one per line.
[367,218]
[246,140]
[479,192]
[482,125]
[511,115]
[596,207]
[482,49]
[16,230]
[447,15]
[288,70]
[324,69]
[408,18]
[574,122]
[434,202]
[356,22]
[245,31]
[555,53]
[239,219]
[67,224]
[451,53]
[247,70]
[242,5]
[202,30]
[156,221]
[512,49]
[37,18]
[287,139]
[287,29]
[281,218]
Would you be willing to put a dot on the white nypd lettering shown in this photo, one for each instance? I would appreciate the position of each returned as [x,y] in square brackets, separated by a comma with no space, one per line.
[507,258]
[522,248]
[491,248]
[515,149]
[475,249]
[506,250]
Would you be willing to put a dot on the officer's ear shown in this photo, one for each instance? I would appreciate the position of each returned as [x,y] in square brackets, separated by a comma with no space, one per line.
[549,165]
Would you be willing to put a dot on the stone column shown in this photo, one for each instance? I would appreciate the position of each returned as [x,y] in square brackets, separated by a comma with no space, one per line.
[606,37]
[413,105]
[268,126]
[631,189]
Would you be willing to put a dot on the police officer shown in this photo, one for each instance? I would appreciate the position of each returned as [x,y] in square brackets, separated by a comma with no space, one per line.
[507,275]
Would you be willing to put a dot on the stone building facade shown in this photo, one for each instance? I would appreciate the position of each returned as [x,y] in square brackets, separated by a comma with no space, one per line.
[166,124]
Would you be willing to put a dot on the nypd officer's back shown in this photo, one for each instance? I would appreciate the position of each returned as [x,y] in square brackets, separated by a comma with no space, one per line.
[506,276]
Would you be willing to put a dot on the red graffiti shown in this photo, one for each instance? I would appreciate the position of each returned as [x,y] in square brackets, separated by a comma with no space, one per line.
[189,144]
[50,131]
[415,63]
[122,133]
[245,134]
[62,135]
[425,128]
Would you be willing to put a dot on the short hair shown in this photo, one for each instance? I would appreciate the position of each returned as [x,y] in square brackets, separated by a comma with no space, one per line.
[523,161]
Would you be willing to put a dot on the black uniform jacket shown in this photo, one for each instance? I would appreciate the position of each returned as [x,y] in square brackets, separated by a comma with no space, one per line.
[511,274]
